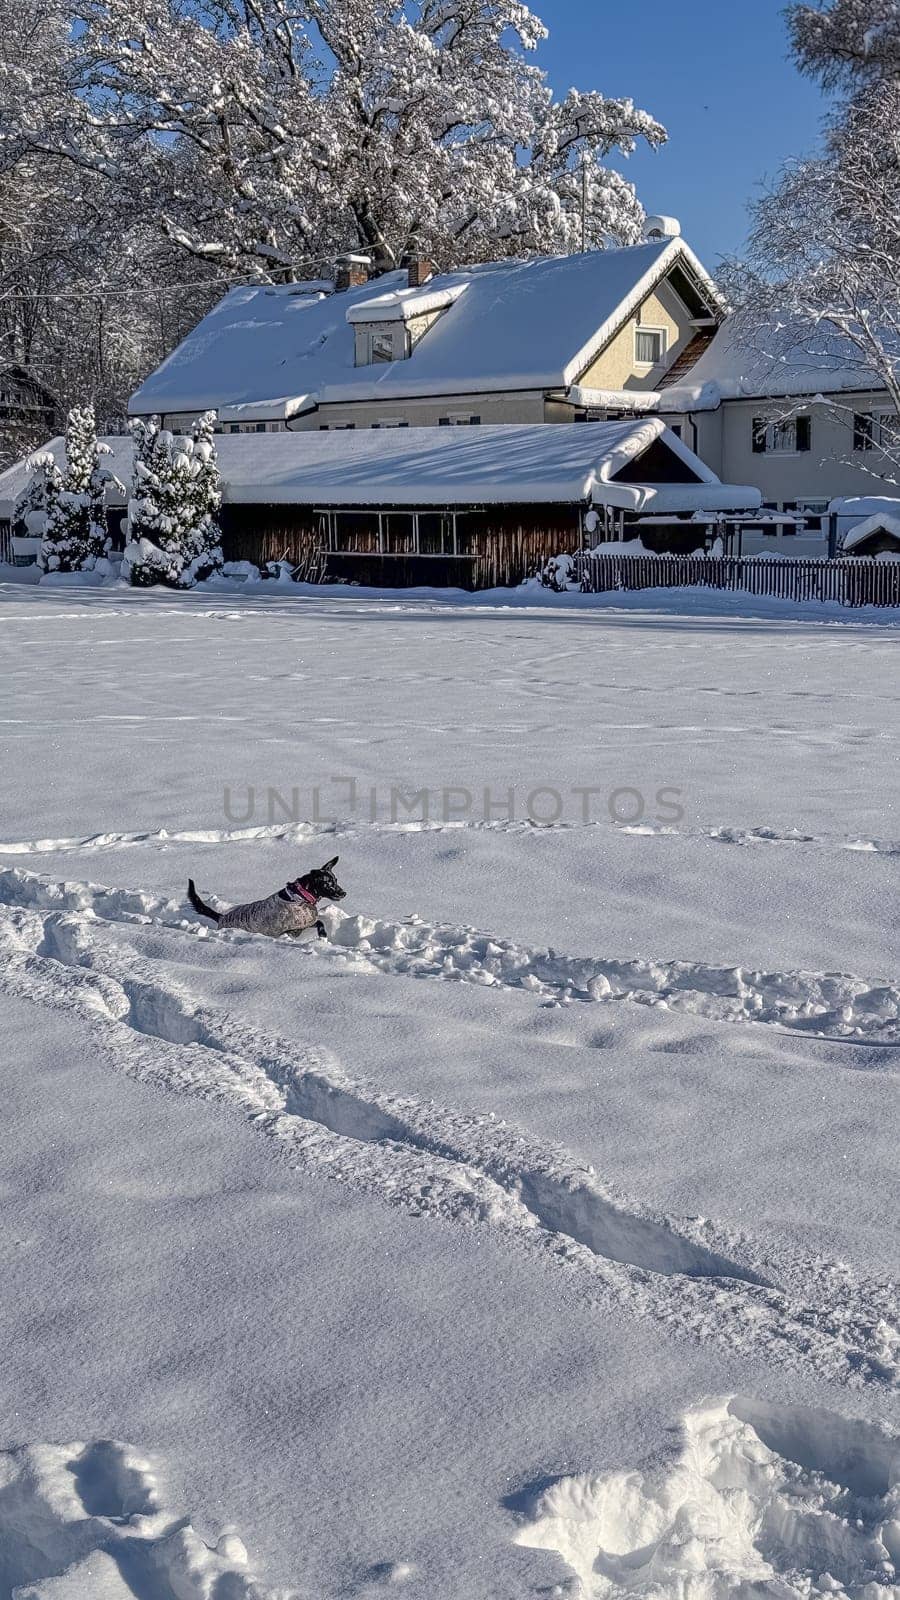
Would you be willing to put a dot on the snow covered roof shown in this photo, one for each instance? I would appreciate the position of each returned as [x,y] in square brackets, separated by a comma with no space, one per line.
[504,325]
[879,523]
[534,463]
[735,366]
[865,505]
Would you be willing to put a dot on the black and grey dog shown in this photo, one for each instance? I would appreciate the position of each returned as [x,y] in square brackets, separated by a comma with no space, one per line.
[291,910]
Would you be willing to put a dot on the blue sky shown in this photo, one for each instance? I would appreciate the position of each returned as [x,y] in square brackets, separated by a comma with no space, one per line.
[715,73]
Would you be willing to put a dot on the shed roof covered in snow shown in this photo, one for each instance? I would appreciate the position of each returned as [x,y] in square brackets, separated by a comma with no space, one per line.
[502,464]
[788,359]
[870,529]
[278,351]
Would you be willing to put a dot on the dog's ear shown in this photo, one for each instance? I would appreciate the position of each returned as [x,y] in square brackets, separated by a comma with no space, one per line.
[332,863]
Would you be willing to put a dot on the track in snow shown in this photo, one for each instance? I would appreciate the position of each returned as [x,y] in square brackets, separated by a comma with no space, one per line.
[86,1520]
[759,1499]
[836,1005]
[458,1167]
[299,832]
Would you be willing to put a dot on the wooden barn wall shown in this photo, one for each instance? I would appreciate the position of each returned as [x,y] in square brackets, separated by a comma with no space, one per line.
[268,533]
[508,543]
[514,542]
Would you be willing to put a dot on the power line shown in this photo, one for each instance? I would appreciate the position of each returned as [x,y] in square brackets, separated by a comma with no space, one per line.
[108,291]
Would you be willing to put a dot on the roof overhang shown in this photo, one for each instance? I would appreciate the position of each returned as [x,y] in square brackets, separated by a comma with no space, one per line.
[677,498]
[280,410]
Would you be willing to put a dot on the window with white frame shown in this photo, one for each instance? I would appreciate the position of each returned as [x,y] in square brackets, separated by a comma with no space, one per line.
[781,436]
[460,419]
[649,346]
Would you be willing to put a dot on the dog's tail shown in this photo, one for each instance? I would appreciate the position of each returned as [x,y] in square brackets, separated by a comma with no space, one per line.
[200,905]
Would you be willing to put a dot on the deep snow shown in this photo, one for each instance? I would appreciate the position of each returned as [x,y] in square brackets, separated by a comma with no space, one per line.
[392,1263]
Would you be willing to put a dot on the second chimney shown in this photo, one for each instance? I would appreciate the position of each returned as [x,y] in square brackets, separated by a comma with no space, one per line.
[351,272]
[418,269]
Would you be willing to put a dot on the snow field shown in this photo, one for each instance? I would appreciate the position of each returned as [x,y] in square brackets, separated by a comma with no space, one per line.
[643,1102]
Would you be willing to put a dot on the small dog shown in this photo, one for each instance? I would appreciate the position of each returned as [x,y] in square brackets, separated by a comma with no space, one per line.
[292,910]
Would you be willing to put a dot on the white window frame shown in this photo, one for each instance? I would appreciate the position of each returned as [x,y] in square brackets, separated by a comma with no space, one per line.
[775,429]
[461,419]
[663,345]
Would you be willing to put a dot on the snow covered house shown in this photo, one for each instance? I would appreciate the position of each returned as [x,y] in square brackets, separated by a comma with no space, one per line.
[793,412]
[619,333]
[558,339]
[465,507]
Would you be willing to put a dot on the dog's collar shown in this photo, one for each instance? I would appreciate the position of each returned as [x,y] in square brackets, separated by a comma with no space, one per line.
[297,891]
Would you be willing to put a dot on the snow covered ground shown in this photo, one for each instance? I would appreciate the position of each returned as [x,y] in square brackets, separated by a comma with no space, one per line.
[535,1233]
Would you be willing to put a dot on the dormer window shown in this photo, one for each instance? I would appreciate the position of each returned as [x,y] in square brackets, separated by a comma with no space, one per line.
[378,342]
[381,346]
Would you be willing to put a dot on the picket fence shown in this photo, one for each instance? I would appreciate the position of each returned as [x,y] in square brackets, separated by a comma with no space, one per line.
[857,581]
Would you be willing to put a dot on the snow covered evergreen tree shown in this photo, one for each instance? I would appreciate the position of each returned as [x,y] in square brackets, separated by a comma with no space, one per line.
[37,498]
[172,526]
[72,501]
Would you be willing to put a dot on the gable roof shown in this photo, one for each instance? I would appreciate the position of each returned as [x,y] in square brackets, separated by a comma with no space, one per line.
[500,464]
[277,351]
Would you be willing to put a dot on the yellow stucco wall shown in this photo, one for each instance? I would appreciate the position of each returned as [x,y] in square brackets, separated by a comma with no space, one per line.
[615,367]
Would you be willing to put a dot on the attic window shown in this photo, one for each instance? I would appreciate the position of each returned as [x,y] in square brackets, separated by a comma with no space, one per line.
[381,346]
[649,346]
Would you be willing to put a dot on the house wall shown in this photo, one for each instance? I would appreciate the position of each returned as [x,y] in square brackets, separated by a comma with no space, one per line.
[828,469]
[615,367]
[512,406]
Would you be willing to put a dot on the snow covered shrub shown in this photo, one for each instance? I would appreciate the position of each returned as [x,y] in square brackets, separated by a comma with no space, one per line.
[558,574]
[67,507]
[172,527]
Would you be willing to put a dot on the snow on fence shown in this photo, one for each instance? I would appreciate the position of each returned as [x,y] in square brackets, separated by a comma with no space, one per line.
[857,582]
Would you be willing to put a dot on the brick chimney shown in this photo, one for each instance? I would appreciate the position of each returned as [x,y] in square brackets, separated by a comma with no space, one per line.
[351,272]
[418,268]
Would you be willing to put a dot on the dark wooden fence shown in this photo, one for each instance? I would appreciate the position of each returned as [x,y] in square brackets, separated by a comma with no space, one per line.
[6,550]
[854,582]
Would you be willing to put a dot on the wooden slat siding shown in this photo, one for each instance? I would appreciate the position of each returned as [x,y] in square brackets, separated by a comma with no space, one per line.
[270,533]
[505,556]
[853,582]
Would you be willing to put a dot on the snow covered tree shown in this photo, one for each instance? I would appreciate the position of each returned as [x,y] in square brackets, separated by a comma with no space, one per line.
[172,526]
[262,137]
[823,285]
[846,42]
[37,499]
[73,501]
